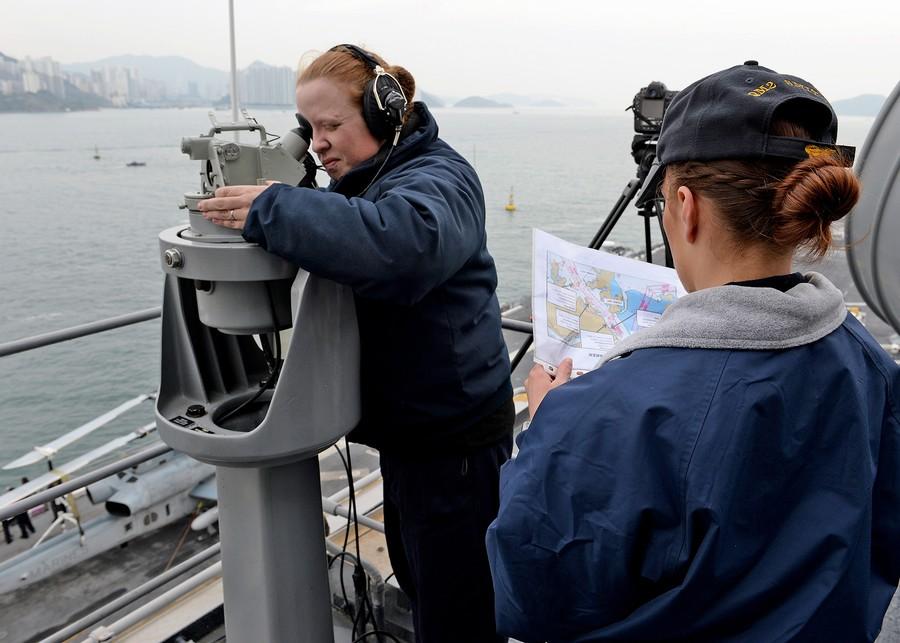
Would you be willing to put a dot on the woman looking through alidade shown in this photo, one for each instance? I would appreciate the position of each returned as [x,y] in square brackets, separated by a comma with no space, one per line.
[402,223]
[733,472]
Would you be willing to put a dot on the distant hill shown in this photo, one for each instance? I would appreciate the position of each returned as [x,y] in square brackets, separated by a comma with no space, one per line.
[862,105]
[480,101]
[175,71]
[429,99]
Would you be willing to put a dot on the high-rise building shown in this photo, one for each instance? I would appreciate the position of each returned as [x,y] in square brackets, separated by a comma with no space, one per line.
[262,84]
[42,74]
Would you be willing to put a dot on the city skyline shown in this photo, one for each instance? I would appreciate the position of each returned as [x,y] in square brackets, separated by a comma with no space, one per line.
[121,81]
[599,51]
[124,85]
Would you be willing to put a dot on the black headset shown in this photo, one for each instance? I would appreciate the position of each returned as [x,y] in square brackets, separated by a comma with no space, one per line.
[384,102]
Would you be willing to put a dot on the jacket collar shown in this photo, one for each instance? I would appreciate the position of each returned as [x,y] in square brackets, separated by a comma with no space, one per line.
[420,131]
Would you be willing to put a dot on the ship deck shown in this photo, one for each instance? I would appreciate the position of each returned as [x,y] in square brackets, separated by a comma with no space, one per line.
[33,612]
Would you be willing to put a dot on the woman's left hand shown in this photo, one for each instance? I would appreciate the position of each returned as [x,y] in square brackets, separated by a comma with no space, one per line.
[539,382]
[231,205]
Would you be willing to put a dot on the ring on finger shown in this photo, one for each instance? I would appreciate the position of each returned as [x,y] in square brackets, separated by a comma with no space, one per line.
[231,215]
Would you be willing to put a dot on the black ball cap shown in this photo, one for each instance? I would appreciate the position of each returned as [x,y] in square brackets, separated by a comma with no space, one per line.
[727,115]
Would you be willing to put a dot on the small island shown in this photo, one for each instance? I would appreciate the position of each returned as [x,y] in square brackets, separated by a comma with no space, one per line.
[478,101]
[862,105]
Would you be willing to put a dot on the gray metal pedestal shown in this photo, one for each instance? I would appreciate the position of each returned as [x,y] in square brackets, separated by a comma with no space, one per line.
[272,538]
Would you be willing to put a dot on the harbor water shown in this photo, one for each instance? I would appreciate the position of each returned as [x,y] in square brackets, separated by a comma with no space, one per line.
[79,237]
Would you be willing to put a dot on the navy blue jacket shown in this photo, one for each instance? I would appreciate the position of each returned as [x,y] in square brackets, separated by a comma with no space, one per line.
[707,495]
[414,250]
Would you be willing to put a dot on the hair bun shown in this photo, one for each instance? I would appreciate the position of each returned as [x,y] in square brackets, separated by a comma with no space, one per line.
[814,194]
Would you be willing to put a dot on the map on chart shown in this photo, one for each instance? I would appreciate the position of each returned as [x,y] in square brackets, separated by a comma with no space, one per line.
[585,301]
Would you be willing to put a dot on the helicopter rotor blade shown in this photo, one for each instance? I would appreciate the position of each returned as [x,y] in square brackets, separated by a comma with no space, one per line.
[48,450]
[45,480]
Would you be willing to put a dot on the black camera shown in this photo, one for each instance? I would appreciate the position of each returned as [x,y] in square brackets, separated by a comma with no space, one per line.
[649,106]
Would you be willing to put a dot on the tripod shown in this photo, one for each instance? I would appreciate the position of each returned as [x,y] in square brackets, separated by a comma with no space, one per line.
[643,151]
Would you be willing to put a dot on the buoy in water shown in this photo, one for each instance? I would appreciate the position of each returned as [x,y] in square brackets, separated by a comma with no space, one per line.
[510,205]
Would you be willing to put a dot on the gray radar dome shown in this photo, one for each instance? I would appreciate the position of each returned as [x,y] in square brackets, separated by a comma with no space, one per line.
[873,228]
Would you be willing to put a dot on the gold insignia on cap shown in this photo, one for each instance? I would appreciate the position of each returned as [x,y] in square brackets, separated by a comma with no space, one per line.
[815,151]
[762,89]
[806,88]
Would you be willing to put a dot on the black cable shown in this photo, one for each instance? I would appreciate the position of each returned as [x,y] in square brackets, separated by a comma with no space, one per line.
[349,481]
[384,162]
[364,611]
[352,496]
[273,368]
[360,580]
[262,389]
[378,633]
[342,555]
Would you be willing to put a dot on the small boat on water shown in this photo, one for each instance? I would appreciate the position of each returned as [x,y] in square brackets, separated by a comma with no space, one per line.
[135,164]
[96,153]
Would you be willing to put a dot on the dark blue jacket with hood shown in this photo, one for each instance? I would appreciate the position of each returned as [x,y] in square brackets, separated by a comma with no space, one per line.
[413,248]
[734,475]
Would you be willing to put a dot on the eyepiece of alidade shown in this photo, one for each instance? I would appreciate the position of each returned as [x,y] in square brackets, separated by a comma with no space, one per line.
[173,258]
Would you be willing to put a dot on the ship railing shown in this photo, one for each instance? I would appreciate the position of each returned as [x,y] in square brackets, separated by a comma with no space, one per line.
[519,327]
[330,504]
[139,592]
[103,325]
[73,484]
[74,332]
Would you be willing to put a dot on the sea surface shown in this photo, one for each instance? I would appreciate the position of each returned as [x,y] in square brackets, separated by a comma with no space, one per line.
[79,239]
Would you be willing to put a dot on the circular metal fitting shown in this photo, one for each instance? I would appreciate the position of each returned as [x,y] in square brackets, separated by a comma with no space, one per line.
[196,410]
[231,152]
[173,258]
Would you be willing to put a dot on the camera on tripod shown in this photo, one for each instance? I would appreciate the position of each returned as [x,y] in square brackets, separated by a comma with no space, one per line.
[649,106]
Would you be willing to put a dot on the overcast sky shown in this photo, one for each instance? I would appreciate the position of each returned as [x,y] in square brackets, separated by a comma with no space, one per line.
[592,49]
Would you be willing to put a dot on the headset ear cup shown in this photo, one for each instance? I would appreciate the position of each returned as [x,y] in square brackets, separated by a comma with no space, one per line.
[383,121]
[392,99]
[373,116]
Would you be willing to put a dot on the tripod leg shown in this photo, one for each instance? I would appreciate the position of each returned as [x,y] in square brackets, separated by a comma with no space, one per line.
[648,243]
[613,217]
[523,349]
